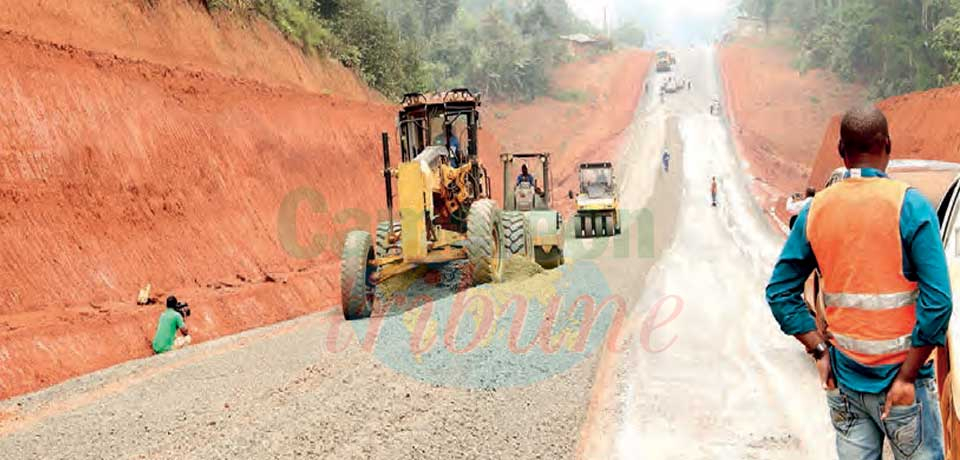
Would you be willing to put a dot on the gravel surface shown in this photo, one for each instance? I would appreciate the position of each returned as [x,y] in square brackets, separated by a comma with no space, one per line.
[289,390]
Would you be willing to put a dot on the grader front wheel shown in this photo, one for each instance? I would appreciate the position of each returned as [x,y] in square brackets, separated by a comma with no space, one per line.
[483,243]
[357,291]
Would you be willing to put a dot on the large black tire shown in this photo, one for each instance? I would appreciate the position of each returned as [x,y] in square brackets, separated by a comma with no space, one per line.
[549,260]
[514,233]
[589,230]
[383,248]
[577,226]
[608,226]
[357,293]
[484,258]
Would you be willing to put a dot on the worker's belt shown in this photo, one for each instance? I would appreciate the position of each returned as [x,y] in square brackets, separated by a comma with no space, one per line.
[871,301]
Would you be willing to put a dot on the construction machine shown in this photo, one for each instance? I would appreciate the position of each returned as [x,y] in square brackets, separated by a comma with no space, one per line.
[665,61]
[598,206]
[531,228]
[444,208]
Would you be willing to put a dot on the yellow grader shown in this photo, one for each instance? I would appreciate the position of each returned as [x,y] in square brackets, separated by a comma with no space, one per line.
[444,206]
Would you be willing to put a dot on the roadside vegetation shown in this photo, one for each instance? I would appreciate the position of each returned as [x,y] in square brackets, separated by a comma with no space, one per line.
[892,46]
[503,48]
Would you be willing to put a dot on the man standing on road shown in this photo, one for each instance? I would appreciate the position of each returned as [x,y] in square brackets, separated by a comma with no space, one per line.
[887,299]
[713,191]
[171,321]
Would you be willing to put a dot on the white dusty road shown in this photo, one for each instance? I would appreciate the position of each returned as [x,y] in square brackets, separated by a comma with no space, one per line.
[705,373]
[717,380]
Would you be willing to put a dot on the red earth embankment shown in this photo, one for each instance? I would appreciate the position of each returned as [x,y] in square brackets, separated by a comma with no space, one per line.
[115,173]
[777,113]
[181,33]
[207,157]
[117,170]
[922,126]
[600,99]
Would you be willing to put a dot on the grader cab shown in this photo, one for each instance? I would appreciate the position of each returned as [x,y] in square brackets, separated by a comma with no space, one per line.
[444,211]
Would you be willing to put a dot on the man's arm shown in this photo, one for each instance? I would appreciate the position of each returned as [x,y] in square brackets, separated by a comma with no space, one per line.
[785,289]
[920,232]
[182,325]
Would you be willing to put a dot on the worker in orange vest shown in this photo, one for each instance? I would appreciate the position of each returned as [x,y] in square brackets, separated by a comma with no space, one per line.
[887,299]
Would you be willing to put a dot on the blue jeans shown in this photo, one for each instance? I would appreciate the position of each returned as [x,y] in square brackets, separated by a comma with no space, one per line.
[915,432]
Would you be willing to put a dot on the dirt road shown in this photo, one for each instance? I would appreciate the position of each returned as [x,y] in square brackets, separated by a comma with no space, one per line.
[721,382]
[704,372]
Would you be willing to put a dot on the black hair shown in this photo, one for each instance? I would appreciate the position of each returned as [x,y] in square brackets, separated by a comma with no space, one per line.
[864,130]
[811,191]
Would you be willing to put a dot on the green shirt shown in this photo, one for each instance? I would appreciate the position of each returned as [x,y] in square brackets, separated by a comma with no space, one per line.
[170,322]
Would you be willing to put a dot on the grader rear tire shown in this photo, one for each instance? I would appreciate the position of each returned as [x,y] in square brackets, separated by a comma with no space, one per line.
[357,292]
[514,233]
[483,243]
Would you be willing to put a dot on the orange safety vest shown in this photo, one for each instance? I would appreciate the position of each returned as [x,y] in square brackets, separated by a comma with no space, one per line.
[854,230]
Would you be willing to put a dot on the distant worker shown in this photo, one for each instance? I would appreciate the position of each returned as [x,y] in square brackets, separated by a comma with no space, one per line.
[886,291]
[713,191]
[665,158]
[525,176]
[796,203]
[171,321]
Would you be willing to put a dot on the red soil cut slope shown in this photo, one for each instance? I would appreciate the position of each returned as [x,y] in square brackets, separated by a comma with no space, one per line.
[778,114]
[118,170]
[116,173]
[609,86]
[922,126]
[181,33]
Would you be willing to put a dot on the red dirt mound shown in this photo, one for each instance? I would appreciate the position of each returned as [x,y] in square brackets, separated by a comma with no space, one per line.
[600,96]
[922,126]
[778,114]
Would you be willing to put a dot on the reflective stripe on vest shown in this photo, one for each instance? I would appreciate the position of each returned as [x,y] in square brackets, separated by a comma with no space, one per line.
[854,230]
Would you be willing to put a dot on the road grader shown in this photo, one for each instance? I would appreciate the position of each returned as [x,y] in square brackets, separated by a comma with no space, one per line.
[445,212]
[531,228]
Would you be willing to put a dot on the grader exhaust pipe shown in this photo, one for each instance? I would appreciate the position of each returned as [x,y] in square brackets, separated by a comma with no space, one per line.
[388,178]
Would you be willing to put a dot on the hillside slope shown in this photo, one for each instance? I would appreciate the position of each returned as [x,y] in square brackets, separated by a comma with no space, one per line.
[922,126]
[778,113]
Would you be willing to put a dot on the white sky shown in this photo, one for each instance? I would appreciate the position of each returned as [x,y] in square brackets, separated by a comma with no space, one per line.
[593,9]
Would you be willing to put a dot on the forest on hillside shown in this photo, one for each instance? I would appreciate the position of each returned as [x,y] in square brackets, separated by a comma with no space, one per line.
[892,46]
[504,48]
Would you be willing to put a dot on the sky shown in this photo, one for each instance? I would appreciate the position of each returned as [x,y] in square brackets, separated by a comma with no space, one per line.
[665,20]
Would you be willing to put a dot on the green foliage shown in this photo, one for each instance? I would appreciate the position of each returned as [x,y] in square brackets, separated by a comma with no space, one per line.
[576,97]
[894,46]
[630,34]
[502,48]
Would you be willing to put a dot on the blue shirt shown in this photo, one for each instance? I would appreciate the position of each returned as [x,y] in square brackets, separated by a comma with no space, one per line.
[923,262]
[528,178]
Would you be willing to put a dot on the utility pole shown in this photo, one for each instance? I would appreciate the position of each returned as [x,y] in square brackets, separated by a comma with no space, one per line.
[606,24]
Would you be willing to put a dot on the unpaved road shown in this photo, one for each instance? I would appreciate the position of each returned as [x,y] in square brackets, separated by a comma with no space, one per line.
[721,381]
[307,388]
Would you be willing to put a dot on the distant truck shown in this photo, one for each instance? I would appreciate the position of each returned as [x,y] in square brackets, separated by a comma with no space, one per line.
[665,61]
